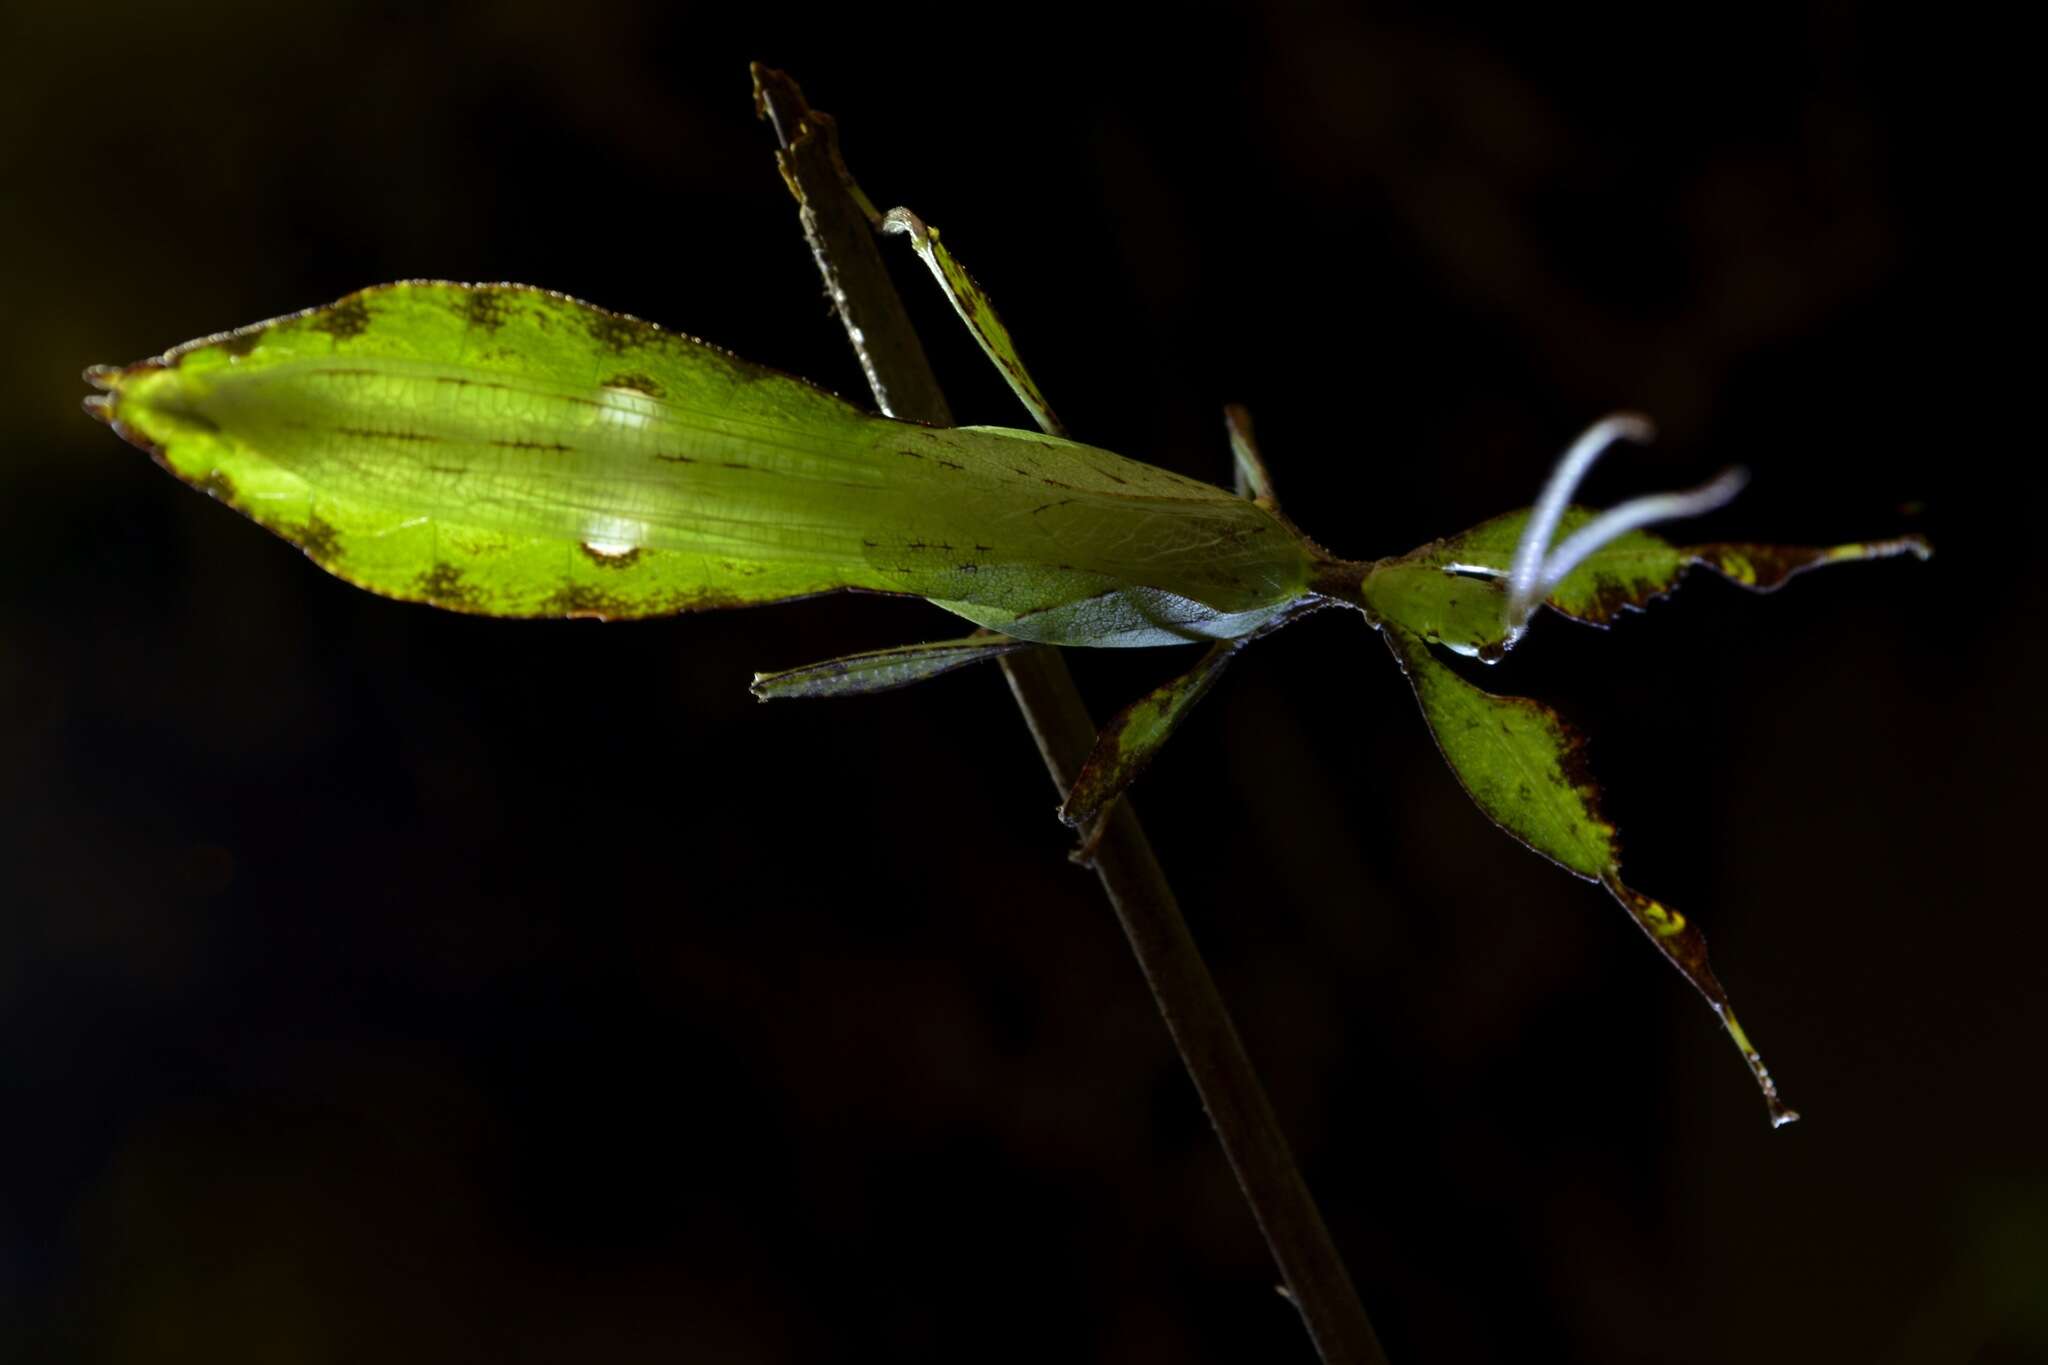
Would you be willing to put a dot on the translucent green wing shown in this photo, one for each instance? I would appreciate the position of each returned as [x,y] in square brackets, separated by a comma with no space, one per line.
[505,450]
[514,452]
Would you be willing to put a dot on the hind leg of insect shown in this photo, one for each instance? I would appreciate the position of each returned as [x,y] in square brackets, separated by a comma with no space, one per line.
[885,670]
[1252,479]
[1127,744]
[977,311]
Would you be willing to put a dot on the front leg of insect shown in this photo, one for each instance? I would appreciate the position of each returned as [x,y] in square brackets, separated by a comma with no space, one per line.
[1520,762]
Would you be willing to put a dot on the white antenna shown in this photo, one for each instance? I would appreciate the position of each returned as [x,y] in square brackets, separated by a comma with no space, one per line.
[1533,575]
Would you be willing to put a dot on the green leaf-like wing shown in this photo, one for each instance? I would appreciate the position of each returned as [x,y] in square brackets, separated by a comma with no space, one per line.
[1637,569]
[506,450]
[1525,768]
[511,451]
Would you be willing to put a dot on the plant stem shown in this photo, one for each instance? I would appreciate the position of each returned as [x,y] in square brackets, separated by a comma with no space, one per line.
[838,221]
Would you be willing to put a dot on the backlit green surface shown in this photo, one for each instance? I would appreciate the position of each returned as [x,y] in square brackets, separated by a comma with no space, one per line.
[508,451]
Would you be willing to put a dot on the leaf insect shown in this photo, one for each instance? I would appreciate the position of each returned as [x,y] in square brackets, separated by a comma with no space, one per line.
[509,451]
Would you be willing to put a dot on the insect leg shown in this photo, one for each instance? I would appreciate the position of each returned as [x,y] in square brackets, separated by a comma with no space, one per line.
[976,311]
[1526,769]
[1126,746]
[1252,479]
[884,670]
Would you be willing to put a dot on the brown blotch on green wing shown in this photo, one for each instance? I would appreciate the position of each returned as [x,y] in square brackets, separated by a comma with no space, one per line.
[349,318]
[705,599]
[1575,766]
[638,383]
[1612,597]
[444,586]
[589,602]
[486,308]
[618,334]
[320,539]
[583,600]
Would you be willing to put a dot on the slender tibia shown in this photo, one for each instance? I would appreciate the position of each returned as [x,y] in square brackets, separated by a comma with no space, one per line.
[977,312]
[1253,480]
[884,670]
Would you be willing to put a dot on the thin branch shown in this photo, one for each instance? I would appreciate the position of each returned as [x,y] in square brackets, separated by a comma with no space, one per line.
[840,224]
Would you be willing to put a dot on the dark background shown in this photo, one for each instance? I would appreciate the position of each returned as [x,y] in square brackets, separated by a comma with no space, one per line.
[381,984]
